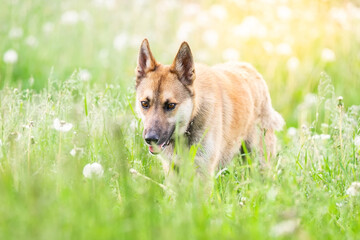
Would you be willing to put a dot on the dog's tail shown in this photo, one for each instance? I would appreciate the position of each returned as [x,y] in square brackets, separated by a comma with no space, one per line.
[271,119]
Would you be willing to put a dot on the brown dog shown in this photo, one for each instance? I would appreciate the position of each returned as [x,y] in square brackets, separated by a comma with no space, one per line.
[221,106]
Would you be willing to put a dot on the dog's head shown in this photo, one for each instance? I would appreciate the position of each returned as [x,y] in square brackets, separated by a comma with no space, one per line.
[164,95]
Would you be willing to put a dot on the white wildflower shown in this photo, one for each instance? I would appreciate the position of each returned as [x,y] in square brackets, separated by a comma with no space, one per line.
[291,132]
[354,189]
[310,99]
[120,41]
[85,16]
[218,11]
[31,41]
[109,4]
[184,31]
[48,27]
[16,33]
[76,151]
[61,125]
[268,46]
[284,12]
[250,27]
[283,49]
[230,54]
[10,56]
[191,9]
[210,38]
[1,143]
[328,55]
[324,136]
[70,17]
[84,75]
[92,170]
[285,227]
[357,142]
[293,63]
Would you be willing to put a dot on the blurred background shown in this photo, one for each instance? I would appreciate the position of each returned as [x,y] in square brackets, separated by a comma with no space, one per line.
[290,42]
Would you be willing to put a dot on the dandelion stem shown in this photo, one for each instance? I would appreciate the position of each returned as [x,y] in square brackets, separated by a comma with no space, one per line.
[28,150]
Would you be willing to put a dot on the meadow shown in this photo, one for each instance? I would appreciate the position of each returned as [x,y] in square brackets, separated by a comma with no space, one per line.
[73,164]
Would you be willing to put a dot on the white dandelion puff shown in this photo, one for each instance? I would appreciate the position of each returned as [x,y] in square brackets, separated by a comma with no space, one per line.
[70,17]
[285,227]
[218,11]
[283,49]
[284,12]
[61,125]
[230,54]
[268,47]
[48,27]
[191,9]
[184,31]
[357,141]
[76,151]
[293,63]
[16,33]
[251,26]
[210,38]
[92,170]
[291,132]
[31,41]
[324,136]
[328,55]
[84,75]
[120,41]
[354,189]
[10,56]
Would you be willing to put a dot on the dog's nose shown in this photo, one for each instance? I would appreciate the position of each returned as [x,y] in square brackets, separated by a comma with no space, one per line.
[151,138]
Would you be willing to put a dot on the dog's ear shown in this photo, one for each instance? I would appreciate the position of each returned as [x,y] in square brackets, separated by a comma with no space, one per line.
[183,64]
[146,61]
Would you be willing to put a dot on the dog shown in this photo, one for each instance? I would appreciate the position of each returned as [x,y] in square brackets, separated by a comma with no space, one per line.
[219,107]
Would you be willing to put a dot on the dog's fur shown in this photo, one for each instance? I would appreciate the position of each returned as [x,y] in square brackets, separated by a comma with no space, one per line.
[221,106]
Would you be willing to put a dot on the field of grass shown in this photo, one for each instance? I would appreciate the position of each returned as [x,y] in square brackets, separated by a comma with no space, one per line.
[67,97]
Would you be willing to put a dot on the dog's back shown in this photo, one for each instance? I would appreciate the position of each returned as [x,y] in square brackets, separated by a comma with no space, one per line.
[240,100]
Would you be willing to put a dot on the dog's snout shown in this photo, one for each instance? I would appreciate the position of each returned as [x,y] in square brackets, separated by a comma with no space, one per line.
[151,138]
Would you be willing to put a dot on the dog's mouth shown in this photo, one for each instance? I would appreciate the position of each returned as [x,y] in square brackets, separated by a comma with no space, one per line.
[158,148]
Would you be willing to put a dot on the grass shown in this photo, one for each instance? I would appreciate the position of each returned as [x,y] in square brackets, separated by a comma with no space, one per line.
[302,195]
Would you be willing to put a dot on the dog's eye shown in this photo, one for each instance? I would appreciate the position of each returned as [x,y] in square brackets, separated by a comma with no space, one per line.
[170,106]
[145,104]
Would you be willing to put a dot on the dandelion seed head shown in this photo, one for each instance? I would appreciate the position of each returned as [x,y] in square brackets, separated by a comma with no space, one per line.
[191,9]
[48,27]
[357,142]
[354,189]
[250,27]
[31,41]
[291,132]
[10,56]
[283,49]
[328,55]
[293,63]
[184,30]
[93,170]
[230,54]
[284,13]
[61,125]
[70,17]
[120,41]
[16,33]
[284,228]
[84,75]
[218,11]
[210,38]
